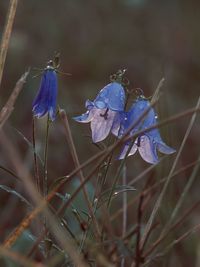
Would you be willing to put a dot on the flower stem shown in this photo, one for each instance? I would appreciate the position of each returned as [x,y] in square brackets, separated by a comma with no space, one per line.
[36,170]
[124,218]
[45,185]
[45,182]
[170,175]
[6,34]
[82,178]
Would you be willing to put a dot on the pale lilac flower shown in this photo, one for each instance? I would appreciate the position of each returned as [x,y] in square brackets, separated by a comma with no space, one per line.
[101,113]
[147,143]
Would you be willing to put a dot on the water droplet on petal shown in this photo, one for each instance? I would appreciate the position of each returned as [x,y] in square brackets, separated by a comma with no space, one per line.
[95,200]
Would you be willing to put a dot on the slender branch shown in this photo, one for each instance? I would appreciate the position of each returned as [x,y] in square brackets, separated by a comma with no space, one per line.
[6,34]
[19,258]
[9,106]
[124,207]
[159,183]
[36,169]
[183,196]
[77,165]
[160,198]
[170,246]
[174,226]
[138,257]
[101,156]
[45,182]
[124,221]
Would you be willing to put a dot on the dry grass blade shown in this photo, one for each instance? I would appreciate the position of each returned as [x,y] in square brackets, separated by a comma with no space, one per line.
[157,92]
[9,106]
[66,243]
[22,226]
[160,198]
[18,258]
[6,34]
[77,165]
[174,226]
[102,155]
[153,187]
[171,245]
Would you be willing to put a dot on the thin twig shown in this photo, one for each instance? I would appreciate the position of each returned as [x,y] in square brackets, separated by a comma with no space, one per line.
[36,169]
[124,221]
[124,207]
[164,189]
[77,165]
[138,257]
[174,226]
[9,106]
[19,258]
[45,177]
[157,92]
[116,214]
[6,34]
[102,155]
[170,246]
[45,183]
[183,195]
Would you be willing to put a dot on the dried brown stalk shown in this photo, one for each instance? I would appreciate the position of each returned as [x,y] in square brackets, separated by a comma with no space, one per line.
[6,34]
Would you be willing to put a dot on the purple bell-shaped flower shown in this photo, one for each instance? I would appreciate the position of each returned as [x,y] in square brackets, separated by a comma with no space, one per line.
[103,110]
[147,143]
[45,100]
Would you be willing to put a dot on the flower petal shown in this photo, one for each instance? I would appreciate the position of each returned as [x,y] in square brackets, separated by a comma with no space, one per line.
[86,117]
[161,146]
[125,150]
[89,104]
[52,97]
[45,99]
[39,110]
[147,150]
[112,96]
[136,110]
[100,104]
[101,125]
[117,128]
[165,149]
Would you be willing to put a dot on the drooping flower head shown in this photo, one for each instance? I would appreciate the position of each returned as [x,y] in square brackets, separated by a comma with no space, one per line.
[46,98]
[103,110]
[147,143]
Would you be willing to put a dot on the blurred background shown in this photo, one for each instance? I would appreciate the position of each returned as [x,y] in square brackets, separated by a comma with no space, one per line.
[151,38]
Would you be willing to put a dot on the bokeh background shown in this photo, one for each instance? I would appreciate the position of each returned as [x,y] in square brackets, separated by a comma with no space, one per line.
[151,38]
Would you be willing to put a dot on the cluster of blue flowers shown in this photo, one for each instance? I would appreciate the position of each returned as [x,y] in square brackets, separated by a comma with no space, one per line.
[107,115]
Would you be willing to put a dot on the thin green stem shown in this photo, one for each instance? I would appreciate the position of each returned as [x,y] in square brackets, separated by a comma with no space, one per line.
[36,170]
[116,178]
[45,182]
[77,164]
[124,207]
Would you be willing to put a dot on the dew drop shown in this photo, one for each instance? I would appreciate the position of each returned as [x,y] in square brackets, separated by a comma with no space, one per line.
[95,200]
